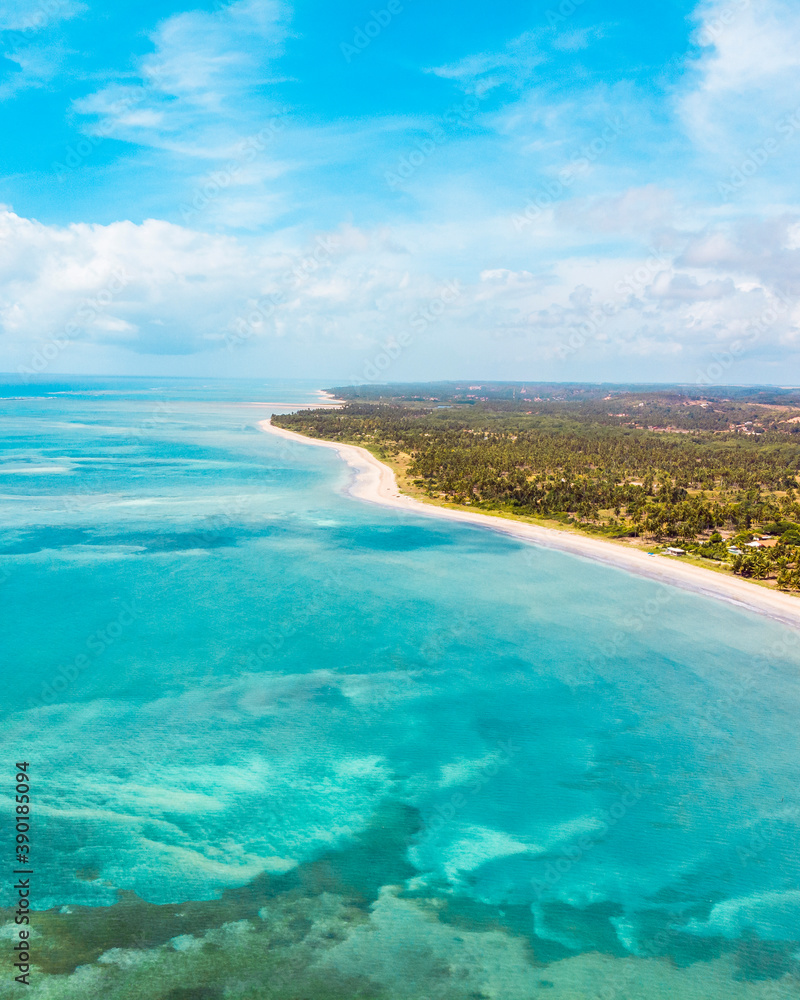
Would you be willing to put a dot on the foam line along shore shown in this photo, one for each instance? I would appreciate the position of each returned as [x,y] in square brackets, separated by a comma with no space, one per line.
[375,482]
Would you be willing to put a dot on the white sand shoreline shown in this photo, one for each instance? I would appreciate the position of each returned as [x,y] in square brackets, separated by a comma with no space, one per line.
[375,482]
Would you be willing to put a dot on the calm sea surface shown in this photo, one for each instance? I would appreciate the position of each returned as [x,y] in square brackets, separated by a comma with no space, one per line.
[288,744]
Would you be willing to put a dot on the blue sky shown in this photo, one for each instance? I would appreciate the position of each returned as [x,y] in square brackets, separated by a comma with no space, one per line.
[388,191]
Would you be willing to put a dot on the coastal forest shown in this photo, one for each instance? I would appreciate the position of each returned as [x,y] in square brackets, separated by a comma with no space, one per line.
[713,472]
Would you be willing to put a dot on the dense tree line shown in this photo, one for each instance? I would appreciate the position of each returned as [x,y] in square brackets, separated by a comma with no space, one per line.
[567,462]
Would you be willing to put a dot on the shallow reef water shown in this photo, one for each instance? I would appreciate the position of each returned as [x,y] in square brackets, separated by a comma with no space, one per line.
[287,744]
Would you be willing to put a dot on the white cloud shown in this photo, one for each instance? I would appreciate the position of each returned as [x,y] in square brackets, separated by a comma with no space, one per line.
[511,66]
[30,17]
[746,76]
[573,41]
[158,288]
[101,283]
[37,62]
[37,66]
[516,65]
[680,288]
[675,307]
[283,301]
[203,84]
[634,211]
[760,249]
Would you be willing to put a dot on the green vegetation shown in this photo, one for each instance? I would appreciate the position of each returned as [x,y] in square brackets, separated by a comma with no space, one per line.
[338,927]
[663,467]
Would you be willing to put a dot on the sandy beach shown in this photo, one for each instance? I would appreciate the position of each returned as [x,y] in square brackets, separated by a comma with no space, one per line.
[375,482]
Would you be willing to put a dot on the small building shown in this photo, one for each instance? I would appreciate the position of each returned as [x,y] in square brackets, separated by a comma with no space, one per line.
[734,551]
[672,551]
[753,545]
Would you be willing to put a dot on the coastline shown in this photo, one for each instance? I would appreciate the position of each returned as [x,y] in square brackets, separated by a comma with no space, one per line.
[375,482]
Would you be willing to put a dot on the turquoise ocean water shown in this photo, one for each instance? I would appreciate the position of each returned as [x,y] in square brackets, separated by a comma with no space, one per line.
[289,744]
